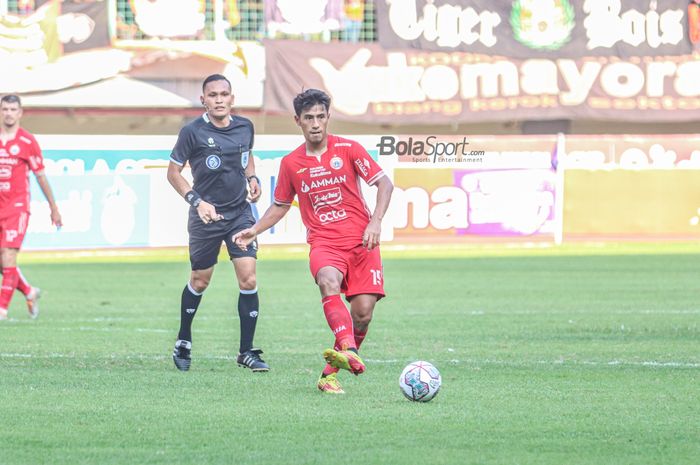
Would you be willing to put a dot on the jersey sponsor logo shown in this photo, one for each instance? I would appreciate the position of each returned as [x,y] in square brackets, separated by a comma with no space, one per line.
[304,187]
[4,186]
[245,156]
[317,171]
[364,169]
[301,170]
[25,140]
[14,149]
[326,198]
[5,172]
[315,184]
[210,142]
[35,162]
[342,144]
[213,162]
[332,216]
[336,162]
[9,161]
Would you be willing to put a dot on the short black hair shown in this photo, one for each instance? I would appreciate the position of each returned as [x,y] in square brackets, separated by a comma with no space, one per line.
[215,77]
[309,98]
[11,98]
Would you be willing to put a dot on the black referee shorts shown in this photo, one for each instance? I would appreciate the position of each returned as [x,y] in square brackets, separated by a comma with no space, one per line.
[205,239]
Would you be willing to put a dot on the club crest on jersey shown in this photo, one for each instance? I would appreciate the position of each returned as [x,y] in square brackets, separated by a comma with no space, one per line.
[210,142]
[336,162]
[14,149]
[213,162]
[245,156]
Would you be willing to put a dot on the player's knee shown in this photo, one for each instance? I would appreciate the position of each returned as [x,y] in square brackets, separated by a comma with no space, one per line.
[328,284]
[362,314]
[362,319]
[248,283]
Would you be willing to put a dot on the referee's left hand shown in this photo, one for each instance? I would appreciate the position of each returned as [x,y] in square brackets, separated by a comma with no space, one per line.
[255,191]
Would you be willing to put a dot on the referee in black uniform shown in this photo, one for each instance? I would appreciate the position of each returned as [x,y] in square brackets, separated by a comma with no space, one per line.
[218,148]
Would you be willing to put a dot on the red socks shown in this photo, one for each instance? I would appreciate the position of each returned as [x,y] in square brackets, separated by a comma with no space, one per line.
[22,284]
[340,322]
[9,283]
[359,337]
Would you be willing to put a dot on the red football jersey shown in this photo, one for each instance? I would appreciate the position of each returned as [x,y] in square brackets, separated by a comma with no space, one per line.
[328,190]
[17,157]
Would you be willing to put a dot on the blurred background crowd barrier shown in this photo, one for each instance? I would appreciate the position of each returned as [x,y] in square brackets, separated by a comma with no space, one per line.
[580,118]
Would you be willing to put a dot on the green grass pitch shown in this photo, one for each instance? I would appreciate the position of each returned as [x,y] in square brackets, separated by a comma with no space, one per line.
[584,354]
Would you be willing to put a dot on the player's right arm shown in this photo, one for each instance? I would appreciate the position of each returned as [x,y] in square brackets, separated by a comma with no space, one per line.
[283,197]
[271,217]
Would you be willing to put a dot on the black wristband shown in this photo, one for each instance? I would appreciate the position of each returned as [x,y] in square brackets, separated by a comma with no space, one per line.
[193,198]
[254,177]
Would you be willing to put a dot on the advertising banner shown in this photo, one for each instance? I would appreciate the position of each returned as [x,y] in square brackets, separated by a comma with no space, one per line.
[62,56]
[459,203]
[371,85]
[632,204]
[538,28]
[633,151]
[112,191]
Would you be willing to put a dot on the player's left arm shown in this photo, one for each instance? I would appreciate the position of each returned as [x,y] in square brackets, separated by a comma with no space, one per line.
[373,231]
[253,180]
[48,193]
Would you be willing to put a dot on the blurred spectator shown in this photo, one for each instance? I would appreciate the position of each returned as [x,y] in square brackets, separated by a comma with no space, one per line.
[354,15]
[694,21]
[284,18]
[185,18]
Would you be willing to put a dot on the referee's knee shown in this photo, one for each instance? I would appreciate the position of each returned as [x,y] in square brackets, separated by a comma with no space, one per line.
[248,283]
[199,283]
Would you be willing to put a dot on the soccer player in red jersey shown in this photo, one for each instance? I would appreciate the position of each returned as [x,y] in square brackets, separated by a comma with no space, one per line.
[19,153]
[324,173]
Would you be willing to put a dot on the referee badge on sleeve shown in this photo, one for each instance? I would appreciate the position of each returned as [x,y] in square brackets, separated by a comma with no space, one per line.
[244,159]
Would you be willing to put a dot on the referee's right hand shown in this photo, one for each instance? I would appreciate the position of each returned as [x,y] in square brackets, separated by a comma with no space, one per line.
[207,213]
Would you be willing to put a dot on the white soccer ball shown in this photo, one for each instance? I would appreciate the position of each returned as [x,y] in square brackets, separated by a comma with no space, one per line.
[420,381]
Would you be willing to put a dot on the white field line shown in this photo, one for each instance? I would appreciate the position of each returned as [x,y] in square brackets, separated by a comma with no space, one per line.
[452,362]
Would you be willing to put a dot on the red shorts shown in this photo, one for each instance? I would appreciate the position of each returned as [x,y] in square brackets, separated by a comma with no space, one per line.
[12,230]
[362,269]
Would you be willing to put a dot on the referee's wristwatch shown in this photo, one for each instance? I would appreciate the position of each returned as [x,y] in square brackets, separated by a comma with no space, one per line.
[254,177]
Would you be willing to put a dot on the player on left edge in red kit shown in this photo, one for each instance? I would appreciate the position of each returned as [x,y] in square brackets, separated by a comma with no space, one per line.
[19,153]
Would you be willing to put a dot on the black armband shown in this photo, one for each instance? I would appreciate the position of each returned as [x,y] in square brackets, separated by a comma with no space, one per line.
[254,177]
[193,198]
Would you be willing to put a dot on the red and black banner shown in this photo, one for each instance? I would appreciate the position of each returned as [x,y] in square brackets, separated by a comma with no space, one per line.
[370,84]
